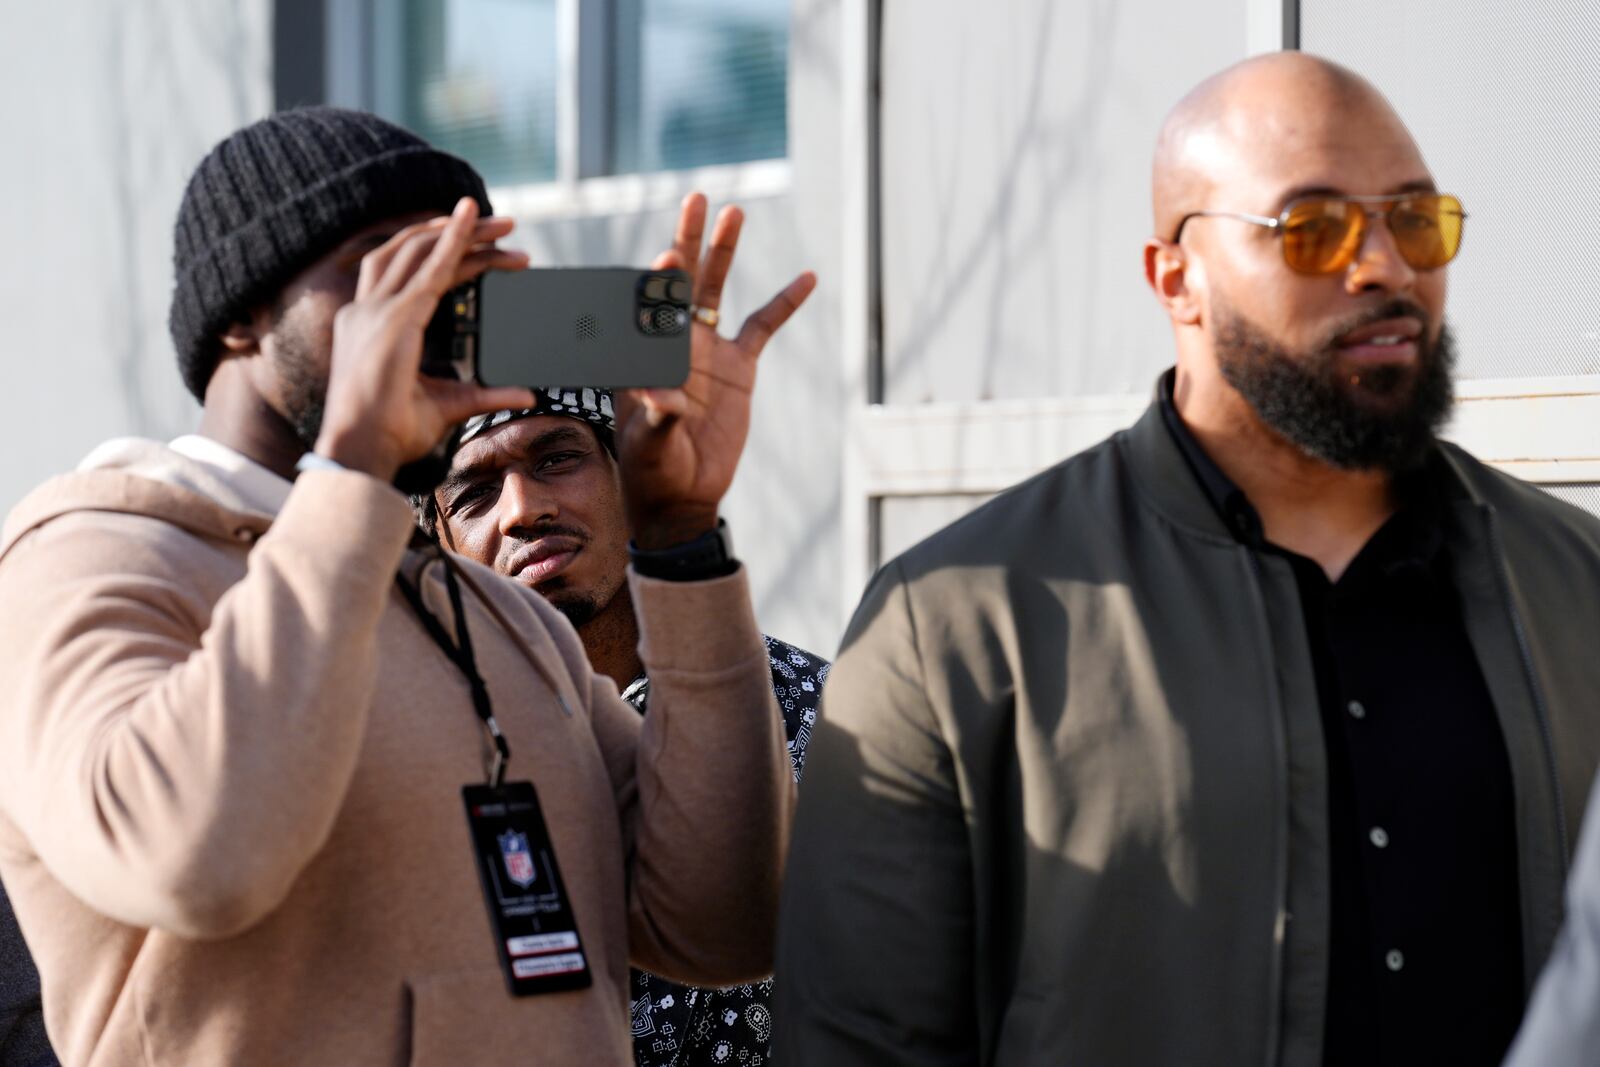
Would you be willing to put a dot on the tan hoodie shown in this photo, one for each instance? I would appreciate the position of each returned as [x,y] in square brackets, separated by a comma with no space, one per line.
[230,773]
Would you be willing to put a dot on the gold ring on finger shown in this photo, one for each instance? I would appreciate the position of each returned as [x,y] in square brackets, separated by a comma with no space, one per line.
[709,316]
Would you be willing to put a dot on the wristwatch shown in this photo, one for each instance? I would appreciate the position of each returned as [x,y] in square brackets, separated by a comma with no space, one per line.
[708,556]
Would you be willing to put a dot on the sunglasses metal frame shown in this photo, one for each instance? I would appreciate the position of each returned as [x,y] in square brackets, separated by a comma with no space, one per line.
[1277,224]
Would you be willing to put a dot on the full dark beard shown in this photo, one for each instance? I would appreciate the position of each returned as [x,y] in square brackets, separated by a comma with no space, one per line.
[1387,418]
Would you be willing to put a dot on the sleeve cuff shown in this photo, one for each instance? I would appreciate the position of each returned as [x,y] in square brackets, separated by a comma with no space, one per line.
[705,626]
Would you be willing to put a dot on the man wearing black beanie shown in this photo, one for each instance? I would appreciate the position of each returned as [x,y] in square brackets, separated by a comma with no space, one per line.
[268,767]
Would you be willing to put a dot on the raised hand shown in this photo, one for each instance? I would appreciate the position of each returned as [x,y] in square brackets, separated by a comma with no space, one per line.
[380,412]
[678,448]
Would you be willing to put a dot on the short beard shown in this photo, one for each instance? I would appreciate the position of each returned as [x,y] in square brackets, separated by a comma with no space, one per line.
[579,608]
[304,377]
[1386,419]
[305,395]
[578,604]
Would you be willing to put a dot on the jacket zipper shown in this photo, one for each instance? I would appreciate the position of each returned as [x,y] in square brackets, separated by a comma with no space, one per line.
[1540,714]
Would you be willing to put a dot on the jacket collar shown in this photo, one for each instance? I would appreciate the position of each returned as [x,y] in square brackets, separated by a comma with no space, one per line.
[1165,477]
[1191,491]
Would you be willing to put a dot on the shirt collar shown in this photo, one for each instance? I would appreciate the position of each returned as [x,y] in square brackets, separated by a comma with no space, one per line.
[1232,506]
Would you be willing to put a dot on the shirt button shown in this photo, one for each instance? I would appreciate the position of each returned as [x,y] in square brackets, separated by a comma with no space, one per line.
[1394,960]
[1379,837]
[1356,709]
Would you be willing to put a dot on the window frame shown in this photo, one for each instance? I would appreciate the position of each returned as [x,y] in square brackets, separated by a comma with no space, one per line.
[354,76]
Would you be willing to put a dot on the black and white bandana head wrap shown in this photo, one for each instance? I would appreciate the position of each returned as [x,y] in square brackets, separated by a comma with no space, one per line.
[586,405]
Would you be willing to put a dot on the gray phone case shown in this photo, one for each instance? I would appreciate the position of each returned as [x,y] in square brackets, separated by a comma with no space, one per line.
[580,326]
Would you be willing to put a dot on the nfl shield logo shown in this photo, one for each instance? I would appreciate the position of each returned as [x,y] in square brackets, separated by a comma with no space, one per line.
[518,861]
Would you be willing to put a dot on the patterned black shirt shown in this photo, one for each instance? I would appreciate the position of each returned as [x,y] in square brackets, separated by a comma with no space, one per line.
[681,1026]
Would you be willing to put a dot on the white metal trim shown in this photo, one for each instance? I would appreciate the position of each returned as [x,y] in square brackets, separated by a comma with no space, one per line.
[1512,388]
[1263,26]
[1536,436]
[569,84]
[1555,471]
[1542,431]
[975,448]
[622,194]
[347,66]
[855,289]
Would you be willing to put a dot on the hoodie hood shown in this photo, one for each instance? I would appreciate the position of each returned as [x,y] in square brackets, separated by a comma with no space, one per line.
[141,477]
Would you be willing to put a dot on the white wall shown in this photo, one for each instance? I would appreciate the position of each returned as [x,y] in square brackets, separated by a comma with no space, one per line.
[105,107]
[1502,99]
[1016,171]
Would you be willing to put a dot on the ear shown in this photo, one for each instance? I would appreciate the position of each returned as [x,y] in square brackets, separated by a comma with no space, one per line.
[244,338]
[240,340]
[1172,276]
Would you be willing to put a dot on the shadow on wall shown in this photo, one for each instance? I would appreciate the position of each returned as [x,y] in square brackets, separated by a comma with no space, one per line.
[1052,152]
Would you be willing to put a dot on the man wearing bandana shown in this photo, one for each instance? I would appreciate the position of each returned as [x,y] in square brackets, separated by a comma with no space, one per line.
[534,494]
[255,733]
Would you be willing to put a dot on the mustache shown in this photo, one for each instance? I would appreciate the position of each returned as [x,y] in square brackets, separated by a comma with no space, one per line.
[527,535]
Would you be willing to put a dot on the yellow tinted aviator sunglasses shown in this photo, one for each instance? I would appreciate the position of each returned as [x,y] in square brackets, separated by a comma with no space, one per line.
[1323,234]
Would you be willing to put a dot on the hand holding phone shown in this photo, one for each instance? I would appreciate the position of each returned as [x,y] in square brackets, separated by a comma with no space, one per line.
[377,415]
[678,448]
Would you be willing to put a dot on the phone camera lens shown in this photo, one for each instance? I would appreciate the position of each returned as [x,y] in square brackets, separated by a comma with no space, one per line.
[655,288]
[679,290]
[668,319]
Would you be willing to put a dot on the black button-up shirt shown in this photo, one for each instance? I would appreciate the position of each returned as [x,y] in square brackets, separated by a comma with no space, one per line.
[1426,938]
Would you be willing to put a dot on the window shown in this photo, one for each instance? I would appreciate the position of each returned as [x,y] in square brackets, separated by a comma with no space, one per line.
[535,91]
[478,78]
[698,82]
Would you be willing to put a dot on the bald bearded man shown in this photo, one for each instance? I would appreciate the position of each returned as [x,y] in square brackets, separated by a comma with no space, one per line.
[1257,733]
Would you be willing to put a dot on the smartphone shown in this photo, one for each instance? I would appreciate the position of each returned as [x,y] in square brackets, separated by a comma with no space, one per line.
[607,327]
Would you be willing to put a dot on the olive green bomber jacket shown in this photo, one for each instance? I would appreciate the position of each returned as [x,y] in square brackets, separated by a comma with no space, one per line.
[1067,802]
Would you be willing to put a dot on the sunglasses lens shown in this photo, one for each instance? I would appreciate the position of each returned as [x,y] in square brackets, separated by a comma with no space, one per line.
[1427,230]
[1321,235]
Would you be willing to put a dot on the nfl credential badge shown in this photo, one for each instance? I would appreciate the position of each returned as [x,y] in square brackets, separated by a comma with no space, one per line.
[514,853]
[535,934]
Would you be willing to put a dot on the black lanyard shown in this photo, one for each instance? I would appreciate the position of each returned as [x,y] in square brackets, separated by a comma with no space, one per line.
[459,652]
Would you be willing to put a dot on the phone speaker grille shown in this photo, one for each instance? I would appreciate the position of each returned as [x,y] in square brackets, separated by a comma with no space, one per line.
[587,327]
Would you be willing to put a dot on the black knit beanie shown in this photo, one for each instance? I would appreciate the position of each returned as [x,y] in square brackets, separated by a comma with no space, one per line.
[276,196]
